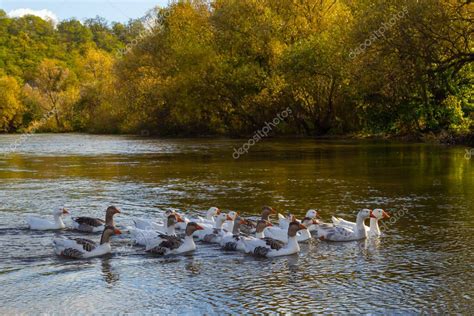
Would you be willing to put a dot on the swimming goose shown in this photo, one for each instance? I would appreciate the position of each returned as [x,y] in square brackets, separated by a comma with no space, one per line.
[262,248]
[372,230]
[209,219]
[38,223]
[76,248]
[229,223]
[283,221]
[267,211]
[282,235]
[215,235]
[147,224]
[344,233]
[145,237]
[220,219]
[233,242]
[175,245]
[92,224]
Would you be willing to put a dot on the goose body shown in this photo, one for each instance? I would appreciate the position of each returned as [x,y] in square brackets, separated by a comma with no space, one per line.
[249,228]
[77,248]
[147,237]
[344,233]
[94,225]
[172,245]
[280,234]
[268,247]
[234,242]
[372,230]
[37,223]
[208,233]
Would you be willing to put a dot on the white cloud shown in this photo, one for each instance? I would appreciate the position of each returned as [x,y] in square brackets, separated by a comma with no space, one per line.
[44,14]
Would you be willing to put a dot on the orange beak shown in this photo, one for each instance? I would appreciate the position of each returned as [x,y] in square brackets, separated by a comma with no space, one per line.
[315,222]
[180,219]
[65,211]
[117,231]
[243,222]
[218,211]
[269,224]
[228,218]
[385,215]
[273,211]
[302,226]
[117,211]
[372,215]
[198,227]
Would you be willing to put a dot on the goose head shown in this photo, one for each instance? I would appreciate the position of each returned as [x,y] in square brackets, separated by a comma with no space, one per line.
[379,214]
[295,227]
[108,232]
[312,214]
[173,219]
[232,216]
[112,210]
[109,215]
[60,212]
[191,227]
[261,225]
[267,211]
[212,211]
[309,221]
[220,219]
[364,213]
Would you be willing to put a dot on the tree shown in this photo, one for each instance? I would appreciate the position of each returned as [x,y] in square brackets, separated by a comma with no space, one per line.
[54,92]
[11,108]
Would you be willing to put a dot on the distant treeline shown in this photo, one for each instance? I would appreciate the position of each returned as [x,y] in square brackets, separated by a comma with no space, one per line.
[227,67]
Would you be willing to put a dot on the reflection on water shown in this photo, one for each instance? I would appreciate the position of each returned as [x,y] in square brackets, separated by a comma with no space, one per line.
[108,273]
[421,263]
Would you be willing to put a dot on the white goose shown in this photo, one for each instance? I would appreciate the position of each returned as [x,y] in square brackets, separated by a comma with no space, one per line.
[38,223]
[175,245]
[220,219]
[281,234]
[229,223]
[372,230]
[264,248]
[84,248]
[147,224]
[207,221]
[215,235]
[145,237]
[283,221]
[340,233]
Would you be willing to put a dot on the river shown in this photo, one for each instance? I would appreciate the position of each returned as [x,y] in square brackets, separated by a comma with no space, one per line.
[423,262]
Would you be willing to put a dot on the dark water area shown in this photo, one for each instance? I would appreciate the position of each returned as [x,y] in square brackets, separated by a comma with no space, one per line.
[422,263]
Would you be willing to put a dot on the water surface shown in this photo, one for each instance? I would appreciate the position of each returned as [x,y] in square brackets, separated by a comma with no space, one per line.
[422,263]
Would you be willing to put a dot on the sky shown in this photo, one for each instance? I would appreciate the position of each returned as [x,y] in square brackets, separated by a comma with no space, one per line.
[57,10]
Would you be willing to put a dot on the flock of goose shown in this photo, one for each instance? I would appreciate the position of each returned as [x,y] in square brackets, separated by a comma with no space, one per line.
[176,233]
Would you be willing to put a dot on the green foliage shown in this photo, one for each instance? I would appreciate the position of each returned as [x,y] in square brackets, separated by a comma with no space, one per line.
[227,67]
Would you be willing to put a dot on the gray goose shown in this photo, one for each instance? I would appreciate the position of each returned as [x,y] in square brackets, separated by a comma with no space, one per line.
[94,225]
